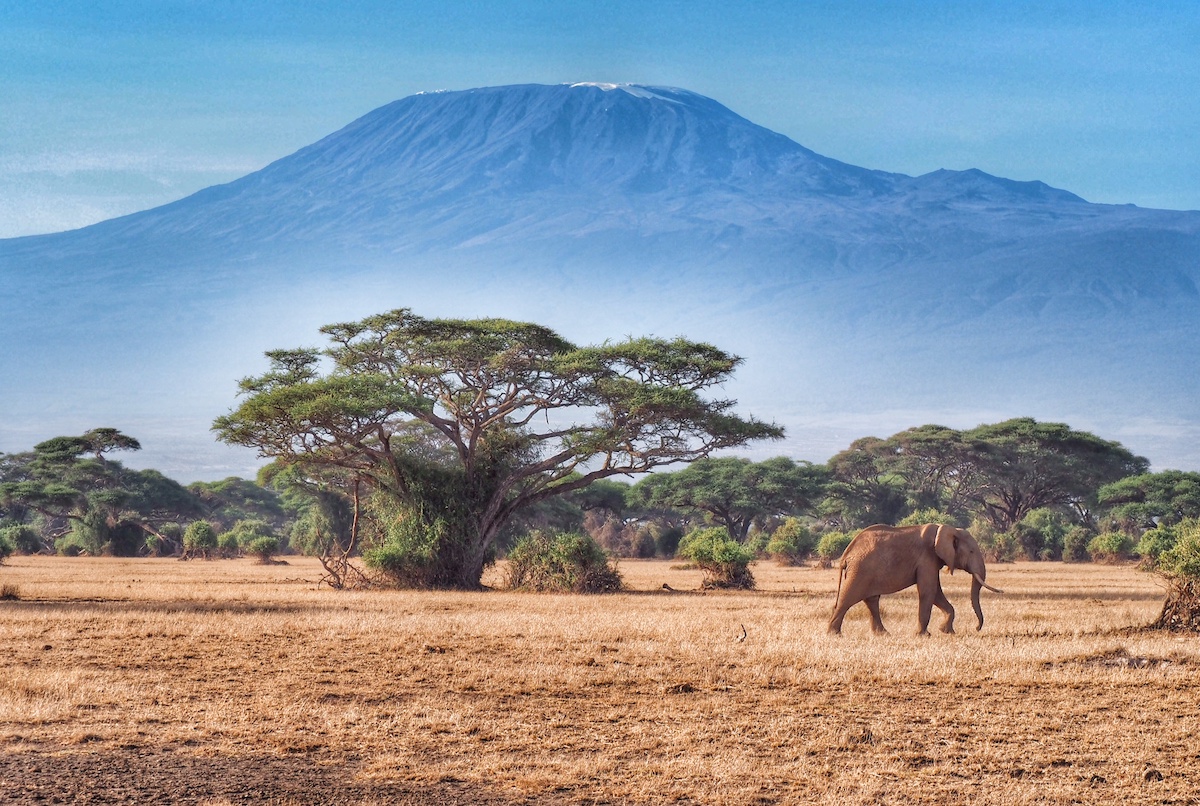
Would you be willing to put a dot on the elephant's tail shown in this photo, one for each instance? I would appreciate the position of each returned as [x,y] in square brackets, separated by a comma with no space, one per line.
[841,576]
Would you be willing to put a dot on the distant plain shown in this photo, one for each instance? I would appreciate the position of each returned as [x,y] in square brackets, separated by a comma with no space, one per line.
[136,680]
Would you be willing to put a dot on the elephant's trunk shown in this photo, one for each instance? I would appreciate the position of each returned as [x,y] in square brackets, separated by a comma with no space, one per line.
[976,586]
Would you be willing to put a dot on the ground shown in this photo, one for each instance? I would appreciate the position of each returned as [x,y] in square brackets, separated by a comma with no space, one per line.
[223,682]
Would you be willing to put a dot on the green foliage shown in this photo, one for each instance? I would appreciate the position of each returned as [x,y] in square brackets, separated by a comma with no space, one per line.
[1108,547]
[264,547]
[246,531]
[1148,500]
[1075,544]
[1154,542]
[460,424]
[7,545]
[733,492]
[831,546]
[22,538]
[1001,472]
[666,540]
[229,544]
[928,515]
[199,539]
[792,542]
[166,541]
[1040,534]
[864,487]
[569,562]
[413,550]
[1183,559]
[644,546]
[724,561]
[997,546]
[234,499]
[92,504]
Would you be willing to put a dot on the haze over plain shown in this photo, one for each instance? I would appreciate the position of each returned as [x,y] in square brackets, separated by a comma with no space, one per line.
[1054,96]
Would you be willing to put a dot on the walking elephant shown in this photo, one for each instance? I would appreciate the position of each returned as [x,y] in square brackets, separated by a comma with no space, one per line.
[885,559]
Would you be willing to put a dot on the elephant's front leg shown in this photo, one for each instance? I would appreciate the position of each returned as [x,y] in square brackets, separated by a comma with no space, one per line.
[944,605]
[927,593]
[872,603]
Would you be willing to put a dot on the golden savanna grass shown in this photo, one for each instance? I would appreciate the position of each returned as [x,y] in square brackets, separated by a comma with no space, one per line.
[229,682]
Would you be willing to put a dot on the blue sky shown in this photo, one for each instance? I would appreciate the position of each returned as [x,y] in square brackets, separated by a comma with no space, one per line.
[107,108]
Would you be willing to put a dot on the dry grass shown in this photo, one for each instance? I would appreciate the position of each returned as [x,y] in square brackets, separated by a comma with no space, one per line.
[229,681]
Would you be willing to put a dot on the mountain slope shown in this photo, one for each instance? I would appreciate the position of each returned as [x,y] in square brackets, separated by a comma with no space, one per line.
[605,210]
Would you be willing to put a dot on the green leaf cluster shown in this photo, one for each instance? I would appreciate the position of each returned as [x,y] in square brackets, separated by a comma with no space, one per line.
[724,561]
[566,562]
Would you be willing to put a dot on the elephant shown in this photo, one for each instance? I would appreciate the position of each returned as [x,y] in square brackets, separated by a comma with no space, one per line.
[886,559]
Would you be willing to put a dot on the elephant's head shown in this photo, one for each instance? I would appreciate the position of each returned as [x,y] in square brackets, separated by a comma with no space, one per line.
[958,549]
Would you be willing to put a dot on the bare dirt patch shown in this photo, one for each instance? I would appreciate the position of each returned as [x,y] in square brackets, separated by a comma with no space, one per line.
[230,682]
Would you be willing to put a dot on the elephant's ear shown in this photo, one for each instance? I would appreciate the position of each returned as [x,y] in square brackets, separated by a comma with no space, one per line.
[945,545]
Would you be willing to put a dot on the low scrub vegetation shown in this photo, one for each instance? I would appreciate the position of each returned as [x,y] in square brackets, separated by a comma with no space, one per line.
[724,561]
[568,563]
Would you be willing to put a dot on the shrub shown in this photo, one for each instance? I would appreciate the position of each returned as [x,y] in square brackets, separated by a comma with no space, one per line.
[7,546]
[644,546]
[666,541]
[831,546]
[757,543]
[724,561]
[1075,543]
[1040,534]
[1109,547]
[264,547]
[569,562]
[998,547]
[199,539]
[791,543]
[229,544]
[23,539]
[1180,566]
[1183,558]
[1154,542]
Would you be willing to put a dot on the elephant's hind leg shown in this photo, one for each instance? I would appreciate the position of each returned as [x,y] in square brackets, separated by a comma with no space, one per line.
[872,603]
[839,613]
[846,602]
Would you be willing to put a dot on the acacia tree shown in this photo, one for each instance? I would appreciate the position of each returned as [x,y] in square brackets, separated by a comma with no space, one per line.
[735,492]
[457,425]
[1148,500]
[1002,471]
[863,487]
[1025,465]
[102,504]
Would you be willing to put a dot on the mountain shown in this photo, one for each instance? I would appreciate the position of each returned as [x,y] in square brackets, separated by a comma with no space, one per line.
[864,301]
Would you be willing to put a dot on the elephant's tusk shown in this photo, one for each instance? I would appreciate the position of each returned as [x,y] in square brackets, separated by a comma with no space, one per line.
[984,584]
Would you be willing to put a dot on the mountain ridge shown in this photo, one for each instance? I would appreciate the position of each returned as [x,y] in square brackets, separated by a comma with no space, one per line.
[668,207]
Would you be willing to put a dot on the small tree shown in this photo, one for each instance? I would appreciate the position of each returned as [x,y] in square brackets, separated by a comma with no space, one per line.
[1075,544]
[1180,567]
[24,539]
[831,546]
[7,546]
[264,547]
[199,540]
[724,561]
[567,563]
[1110,547]
[1154,542]
[791,543]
